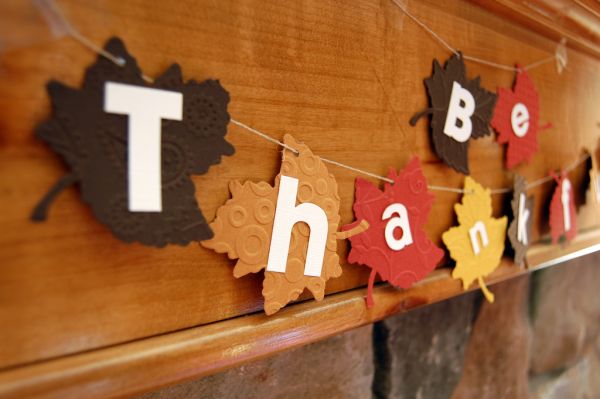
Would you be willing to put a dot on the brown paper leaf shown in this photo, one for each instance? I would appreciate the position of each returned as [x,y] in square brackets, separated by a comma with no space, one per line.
[244,225]
[94,144]
[520,248]
[588,214]
[439,88]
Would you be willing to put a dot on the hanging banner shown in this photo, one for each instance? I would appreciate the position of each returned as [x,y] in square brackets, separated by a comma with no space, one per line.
[395,246]
[460,110]
[262,227]
[516,119]
[477,243]
[132,147]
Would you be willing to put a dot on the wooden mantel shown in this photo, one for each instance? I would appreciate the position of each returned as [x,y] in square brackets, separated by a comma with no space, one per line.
[82,314]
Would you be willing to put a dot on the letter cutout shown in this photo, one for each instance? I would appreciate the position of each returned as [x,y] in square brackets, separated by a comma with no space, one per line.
[145,108]
[562,210]
[522,219]
[519,120]
[474,262]
[254,227]
[287,214]
[460,110]
[478,229]
[519,231]
[401,221]
[595,179]
[565,199]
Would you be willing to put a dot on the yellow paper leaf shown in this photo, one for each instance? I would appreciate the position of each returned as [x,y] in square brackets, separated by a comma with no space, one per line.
[477,243]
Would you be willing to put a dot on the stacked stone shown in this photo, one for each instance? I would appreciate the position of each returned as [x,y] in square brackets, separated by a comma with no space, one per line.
[540,340]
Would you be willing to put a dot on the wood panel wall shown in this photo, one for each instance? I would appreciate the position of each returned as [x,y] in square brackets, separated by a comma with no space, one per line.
[344,77]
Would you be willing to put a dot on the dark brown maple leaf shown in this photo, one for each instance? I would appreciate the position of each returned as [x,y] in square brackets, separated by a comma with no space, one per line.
[94,145]
[439,88]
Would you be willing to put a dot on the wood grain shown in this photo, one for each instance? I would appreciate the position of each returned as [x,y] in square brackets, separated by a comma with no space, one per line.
[344,77]
[577,21]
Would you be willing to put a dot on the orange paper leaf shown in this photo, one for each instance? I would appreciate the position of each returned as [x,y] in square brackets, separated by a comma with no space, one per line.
[244,226]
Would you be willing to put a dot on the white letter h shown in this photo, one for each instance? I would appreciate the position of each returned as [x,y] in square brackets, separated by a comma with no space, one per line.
[287,214]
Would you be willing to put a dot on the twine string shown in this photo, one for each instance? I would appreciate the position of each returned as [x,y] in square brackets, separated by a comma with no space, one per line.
[455,51]
[121,62]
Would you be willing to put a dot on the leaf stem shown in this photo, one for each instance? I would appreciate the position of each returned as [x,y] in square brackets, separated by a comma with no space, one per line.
[358,229]
[419,115]
[40,212]
[488,295]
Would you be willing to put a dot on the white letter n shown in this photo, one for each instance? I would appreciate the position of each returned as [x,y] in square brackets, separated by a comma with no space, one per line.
[478,227]
[287,214]
[145,108]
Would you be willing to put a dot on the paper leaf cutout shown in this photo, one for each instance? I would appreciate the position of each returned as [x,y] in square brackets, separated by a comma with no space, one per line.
[93,143]
[589,213]
[516,119]
[403,267]
[563,218]
[439,87]
[524,210]
[475,220]
[244,225]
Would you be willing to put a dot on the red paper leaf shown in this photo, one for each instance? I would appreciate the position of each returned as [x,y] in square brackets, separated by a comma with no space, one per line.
[522,137]
[558,226]
[403,267]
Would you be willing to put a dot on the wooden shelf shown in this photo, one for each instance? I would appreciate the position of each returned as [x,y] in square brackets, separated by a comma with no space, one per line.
[577,21]
[151,363]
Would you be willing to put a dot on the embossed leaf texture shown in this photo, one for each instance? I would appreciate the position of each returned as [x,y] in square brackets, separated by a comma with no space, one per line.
[93,143]
[395,246]
[516,119]
[477,243]
[244,227]
[440,87]
[519,230]
[563,217]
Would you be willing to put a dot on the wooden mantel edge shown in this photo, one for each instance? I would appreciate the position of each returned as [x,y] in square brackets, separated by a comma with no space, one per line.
[151,363]
[525,14]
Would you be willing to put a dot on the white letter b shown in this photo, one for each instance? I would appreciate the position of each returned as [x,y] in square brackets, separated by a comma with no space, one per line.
[460,108]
